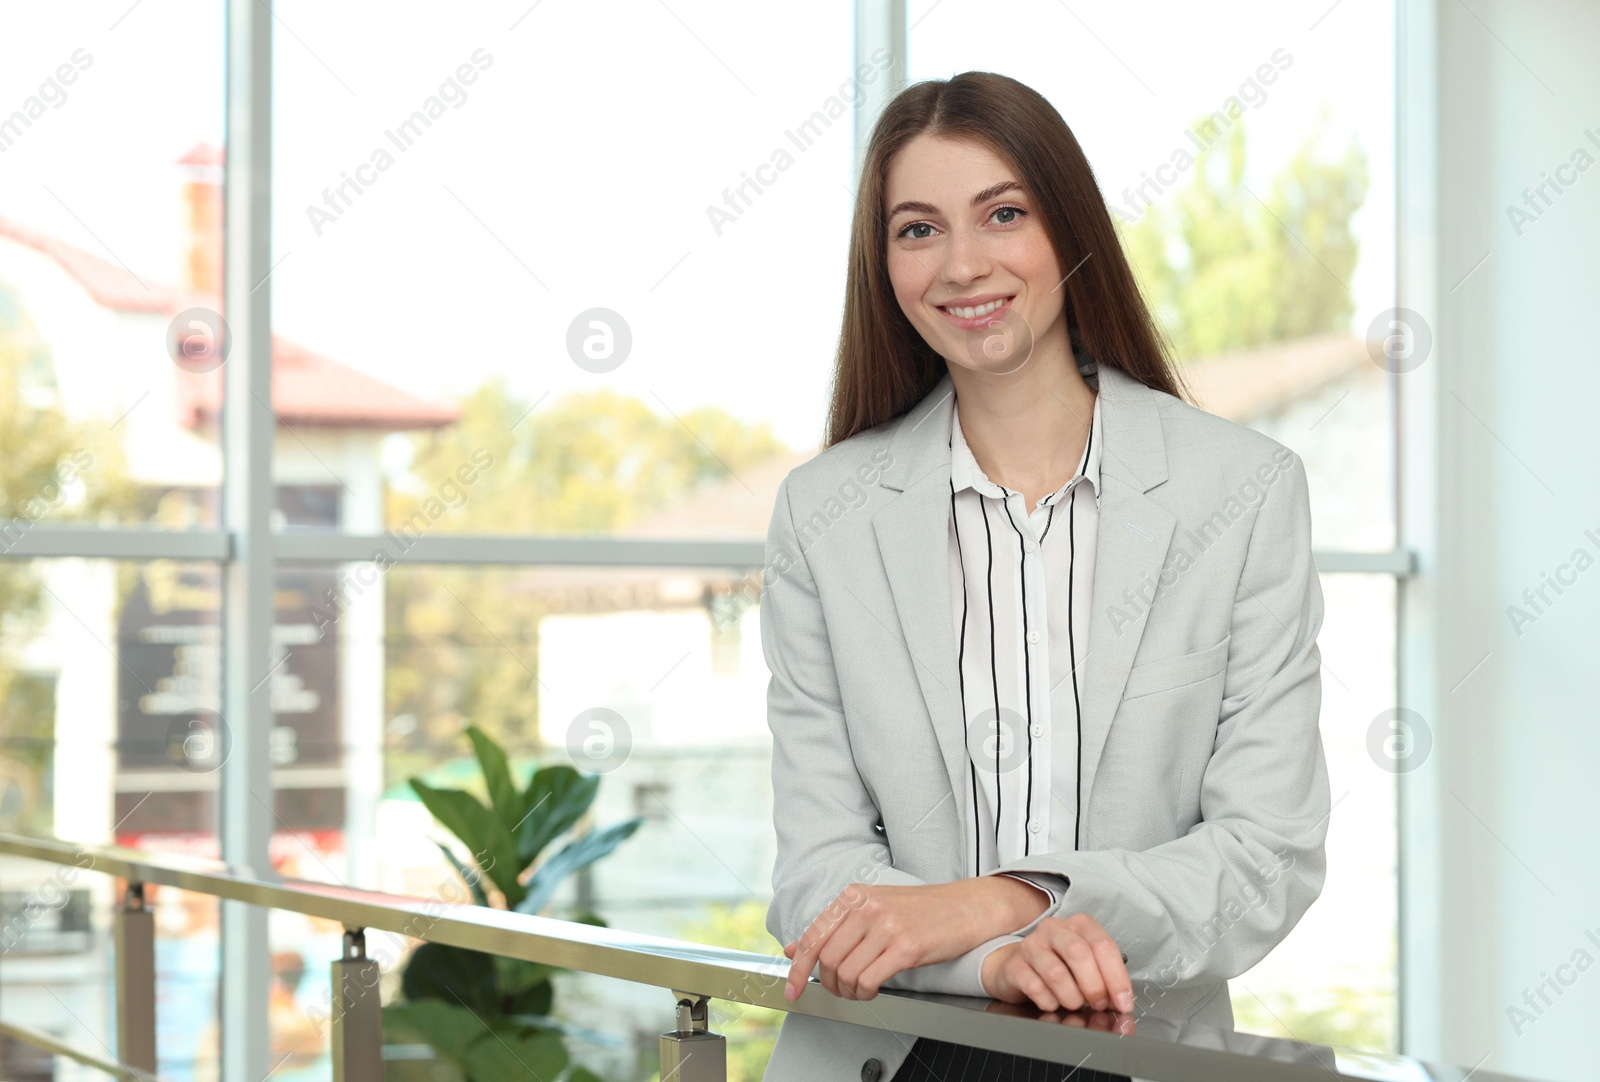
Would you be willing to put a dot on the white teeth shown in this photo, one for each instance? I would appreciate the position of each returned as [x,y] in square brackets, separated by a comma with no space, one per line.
[974,313]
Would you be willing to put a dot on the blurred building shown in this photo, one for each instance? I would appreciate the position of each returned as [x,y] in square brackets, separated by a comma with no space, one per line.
[127,664]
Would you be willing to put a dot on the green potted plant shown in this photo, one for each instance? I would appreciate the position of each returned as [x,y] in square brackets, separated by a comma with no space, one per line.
[487,1017]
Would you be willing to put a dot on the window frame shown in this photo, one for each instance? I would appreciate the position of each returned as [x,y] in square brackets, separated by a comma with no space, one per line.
[249,550]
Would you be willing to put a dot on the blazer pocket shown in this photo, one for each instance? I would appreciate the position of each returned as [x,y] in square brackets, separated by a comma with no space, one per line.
[1167,673]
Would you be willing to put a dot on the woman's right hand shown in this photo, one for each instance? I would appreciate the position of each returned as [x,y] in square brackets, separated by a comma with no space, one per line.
[1063,964]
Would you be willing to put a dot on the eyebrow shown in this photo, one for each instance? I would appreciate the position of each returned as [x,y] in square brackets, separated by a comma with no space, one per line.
[984,196]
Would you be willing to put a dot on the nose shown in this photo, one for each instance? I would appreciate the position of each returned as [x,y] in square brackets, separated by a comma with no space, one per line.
[965,259]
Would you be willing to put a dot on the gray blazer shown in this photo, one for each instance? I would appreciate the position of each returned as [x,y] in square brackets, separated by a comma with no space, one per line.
[1205,790]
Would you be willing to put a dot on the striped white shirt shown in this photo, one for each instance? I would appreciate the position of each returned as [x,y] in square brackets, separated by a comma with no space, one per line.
[1022,582]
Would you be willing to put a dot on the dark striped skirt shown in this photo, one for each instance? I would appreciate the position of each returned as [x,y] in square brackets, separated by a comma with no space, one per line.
[941,1061]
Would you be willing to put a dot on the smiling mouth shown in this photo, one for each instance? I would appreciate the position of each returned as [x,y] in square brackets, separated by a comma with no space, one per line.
[978,315]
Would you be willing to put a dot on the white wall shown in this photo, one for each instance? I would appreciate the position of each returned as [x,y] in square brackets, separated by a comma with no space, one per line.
[1499,878]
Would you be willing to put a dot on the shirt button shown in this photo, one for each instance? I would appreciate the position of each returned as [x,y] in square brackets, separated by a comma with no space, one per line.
[1038,730]
[1033,636]
[1033,828]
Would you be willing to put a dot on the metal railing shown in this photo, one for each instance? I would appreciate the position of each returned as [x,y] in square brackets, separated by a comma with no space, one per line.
[1161,1048]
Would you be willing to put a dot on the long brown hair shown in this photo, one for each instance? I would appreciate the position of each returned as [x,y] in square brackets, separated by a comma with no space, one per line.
[883,366]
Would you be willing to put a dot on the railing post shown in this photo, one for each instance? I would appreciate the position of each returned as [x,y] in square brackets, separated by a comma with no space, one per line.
[357,1035]
[692,1053]
[135,933]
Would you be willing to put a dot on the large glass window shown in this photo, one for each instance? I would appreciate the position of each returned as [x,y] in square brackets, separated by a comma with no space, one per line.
[550,275]
[110,263]
[602,279]
[112,735]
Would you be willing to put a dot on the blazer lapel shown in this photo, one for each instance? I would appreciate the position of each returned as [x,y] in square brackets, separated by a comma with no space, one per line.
[913,534]
[1131,547]
[1133,539]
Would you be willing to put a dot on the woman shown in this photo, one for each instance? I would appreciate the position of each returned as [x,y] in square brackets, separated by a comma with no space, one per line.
[1045,682]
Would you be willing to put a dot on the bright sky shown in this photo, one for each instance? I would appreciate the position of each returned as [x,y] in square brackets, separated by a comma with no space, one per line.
[578,169]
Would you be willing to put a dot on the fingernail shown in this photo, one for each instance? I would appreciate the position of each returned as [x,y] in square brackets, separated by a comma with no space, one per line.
[788,991]
[1125,1001]
[1101,1004]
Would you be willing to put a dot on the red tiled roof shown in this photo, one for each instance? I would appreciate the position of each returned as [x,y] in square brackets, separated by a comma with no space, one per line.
[1246,384]
[307,388]
[111,285]
[734,508]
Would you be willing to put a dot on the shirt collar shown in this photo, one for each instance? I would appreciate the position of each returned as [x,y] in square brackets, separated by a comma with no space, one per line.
[966,473]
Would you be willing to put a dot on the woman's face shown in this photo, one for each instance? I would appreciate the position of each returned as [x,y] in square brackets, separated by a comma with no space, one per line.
[963,235]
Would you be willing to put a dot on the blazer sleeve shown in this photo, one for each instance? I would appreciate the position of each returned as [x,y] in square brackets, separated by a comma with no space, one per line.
[822,811]
[1209,905]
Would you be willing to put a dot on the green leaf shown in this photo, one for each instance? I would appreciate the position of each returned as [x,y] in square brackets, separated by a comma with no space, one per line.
[452,975]
[503,794]
[569,1029]
[512,1052]
[576,854]
[536,999]
[471,876]
[525,987]
[493,849]
[556,798]
[448,1028]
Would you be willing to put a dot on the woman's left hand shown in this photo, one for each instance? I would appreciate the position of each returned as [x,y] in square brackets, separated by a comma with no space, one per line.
[1063,964]
[870,933]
